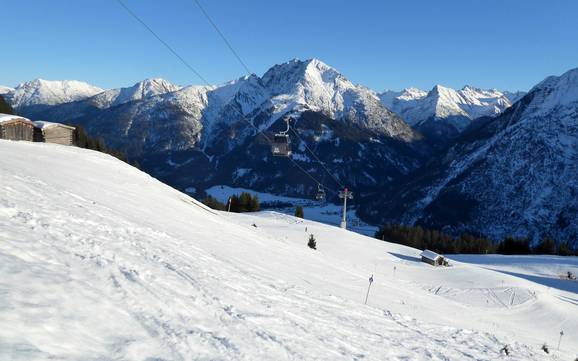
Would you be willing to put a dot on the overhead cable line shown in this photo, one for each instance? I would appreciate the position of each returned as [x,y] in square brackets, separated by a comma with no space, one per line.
[198,74]
[223,37]
[249,72]
[128,10]
[317,158]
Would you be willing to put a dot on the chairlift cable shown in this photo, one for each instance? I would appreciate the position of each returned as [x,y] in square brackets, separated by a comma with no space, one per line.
[249,72]
[223,36]
[317,158]
[198,74]
[128,10]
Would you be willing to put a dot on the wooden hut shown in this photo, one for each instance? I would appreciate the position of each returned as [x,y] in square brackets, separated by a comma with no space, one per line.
[432,258]
[53,133]
[14,127]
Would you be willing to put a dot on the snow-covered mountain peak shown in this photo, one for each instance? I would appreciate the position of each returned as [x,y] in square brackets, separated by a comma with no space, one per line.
[51,92]
[389,97]
[446,103]
[313,85]
[228,90]
[248,91]
[456,108]
[310,82]
[5,89]
[143,89]
[316,67]
[155,86]
[443,91]
[555,92]
[472,88]
[412,94]
[519,167]
[297,75]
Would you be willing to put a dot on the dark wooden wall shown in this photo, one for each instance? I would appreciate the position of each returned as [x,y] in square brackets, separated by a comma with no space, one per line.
[17,130]
[58,135]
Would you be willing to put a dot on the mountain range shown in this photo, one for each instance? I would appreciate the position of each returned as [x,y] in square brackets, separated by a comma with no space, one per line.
[462,160]
[443,113]
[516,174]
[176,131]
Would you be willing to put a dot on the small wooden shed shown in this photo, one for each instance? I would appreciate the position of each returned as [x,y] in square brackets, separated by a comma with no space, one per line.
[432,258]
[14,127]
[49,132]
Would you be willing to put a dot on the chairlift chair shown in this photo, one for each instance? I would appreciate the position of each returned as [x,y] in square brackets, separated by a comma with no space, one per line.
[281,146]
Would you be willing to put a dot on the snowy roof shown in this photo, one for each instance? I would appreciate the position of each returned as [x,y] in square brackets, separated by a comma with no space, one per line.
[9,117]
[430,255]
[43,125]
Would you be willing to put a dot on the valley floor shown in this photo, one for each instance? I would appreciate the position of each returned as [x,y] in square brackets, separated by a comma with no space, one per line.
[99,261]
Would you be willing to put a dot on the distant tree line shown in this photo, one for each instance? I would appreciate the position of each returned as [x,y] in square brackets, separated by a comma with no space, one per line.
[83,140]
[214,203]
[423,238]
[245,202]
[5,107]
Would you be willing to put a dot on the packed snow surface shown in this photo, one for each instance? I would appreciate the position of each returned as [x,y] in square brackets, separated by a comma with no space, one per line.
[100,261]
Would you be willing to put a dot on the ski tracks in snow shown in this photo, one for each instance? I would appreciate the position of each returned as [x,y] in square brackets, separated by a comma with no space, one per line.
[90,283]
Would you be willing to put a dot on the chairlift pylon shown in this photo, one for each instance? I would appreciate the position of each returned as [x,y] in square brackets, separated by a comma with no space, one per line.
[281,146]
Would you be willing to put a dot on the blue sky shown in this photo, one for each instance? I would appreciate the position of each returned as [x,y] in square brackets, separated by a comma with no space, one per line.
[381,44]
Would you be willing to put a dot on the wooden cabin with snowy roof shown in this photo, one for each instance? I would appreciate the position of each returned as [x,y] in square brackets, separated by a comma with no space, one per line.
[49,132]
[433,258]
[15,127]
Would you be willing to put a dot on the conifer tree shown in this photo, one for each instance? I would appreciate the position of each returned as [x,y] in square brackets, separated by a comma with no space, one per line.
[245,202]
[254,205]
[546,246]
[299,212]
[312,242]
[5,107]
[213,203]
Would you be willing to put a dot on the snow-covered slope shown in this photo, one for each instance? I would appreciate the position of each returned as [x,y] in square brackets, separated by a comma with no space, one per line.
[101,261]
[515,175]
[40,92]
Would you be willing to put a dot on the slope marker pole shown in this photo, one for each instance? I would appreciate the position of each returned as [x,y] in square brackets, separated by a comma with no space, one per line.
[368,288]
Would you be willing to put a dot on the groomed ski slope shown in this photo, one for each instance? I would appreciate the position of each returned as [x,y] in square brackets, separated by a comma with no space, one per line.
[99,261]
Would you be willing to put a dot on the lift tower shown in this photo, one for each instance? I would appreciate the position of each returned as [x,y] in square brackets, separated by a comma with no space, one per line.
[345,194]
